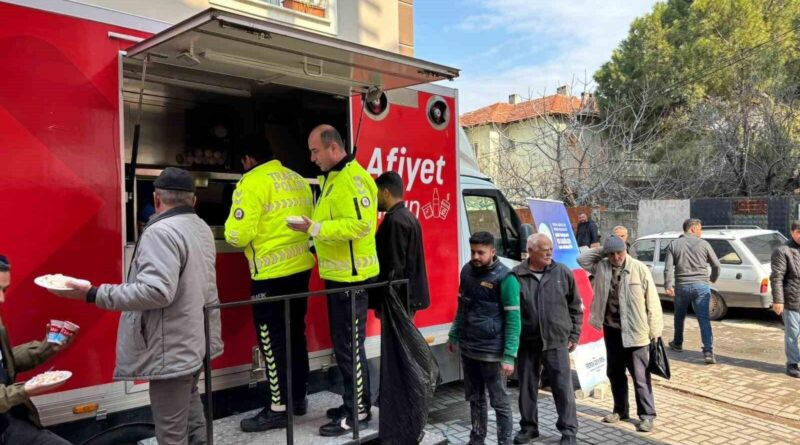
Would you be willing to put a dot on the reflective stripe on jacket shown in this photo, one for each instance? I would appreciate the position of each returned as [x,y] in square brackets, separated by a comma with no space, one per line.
[263,199]
[345,220]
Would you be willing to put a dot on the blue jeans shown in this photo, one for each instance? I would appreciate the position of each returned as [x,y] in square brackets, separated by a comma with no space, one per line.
[791,326]
[699,295]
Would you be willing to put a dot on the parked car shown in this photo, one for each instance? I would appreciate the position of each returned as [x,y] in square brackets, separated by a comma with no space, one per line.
[743,251]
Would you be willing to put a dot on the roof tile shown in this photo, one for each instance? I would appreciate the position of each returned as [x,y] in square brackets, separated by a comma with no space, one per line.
[504,113]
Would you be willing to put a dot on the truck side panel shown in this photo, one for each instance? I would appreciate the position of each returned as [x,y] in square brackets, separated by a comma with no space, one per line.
[425,157]
[60,173]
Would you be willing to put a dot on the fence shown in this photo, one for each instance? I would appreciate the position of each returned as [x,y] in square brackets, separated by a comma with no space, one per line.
[357,439]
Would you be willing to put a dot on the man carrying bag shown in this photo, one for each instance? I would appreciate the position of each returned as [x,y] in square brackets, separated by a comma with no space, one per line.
[627,308]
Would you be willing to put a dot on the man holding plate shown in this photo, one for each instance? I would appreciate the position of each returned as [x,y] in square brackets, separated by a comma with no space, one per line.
[160,336]
[19,420]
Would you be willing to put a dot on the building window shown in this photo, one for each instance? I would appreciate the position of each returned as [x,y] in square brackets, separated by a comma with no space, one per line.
[475,149]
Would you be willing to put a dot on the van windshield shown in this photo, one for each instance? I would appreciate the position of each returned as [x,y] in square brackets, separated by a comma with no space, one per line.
[763,245]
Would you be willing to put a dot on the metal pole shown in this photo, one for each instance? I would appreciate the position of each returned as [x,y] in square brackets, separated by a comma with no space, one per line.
[207,378]
[288,392]
[353,345]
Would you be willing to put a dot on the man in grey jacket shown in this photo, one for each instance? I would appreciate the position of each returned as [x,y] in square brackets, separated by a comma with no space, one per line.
[785,279]
[686,279]
[627,308]
[160,336]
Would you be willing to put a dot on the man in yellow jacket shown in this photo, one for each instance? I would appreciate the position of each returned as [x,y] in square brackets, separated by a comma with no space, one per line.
[343,228]
[280,264]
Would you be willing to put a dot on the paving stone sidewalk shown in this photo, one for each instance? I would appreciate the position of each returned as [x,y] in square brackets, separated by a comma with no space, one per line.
[749,373]
[744,399]
[682,420]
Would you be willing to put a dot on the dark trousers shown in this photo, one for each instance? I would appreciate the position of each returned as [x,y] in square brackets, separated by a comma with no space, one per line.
[271,335]
[635,360]
[340,318]
[530,359]
[480,377]
[22,432]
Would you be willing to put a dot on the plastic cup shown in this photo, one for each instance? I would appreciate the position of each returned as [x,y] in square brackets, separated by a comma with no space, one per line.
[68,330]
[54,334]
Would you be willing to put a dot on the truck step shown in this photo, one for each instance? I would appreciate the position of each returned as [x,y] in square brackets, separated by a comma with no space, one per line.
[306,428]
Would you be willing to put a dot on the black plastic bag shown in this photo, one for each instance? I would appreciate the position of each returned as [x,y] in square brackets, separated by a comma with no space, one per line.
[659,363]
[409,375]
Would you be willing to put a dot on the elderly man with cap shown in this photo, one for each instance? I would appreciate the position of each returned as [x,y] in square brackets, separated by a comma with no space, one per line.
[627,307]
[160,336]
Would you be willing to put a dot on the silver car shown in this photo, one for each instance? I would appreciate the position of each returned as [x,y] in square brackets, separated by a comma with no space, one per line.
[743,251]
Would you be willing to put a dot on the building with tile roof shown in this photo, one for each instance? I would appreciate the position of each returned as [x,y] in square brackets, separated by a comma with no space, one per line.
[528,147]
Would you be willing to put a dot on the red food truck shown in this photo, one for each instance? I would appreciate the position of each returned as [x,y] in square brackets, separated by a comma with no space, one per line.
[95,103]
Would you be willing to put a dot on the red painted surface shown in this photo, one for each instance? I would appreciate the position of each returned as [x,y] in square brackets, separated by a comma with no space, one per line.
[408,128]
[60,178]
[588,333]
[61,182]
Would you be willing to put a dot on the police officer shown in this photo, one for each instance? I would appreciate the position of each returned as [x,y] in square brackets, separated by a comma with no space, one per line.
[343,228]
[280,264]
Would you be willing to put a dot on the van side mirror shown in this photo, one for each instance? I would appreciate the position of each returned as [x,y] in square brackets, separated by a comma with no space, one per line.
[525,230]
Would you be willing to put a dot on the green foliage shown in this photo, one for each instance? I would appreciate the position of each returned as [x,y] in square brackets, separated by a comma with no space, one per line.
[687,50]
[721,78]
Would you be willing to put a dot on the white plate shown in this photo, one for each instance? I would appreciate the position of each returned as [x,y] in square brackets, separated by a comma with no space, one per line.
[42,281]
[62,377]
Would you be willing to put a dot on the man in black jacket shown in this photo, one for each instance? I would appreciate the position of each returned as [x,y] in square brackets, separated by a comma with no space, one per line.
[587,233]
[785,281]
[552,316]
[399,244]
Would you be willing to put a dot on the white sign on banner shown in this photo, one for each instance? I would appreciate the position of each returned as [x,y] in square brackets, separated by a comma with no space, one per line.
[590,363]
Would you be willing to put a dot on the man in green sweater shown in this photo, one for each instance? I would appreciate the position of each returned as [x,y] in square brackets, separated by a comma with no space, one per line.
[486,330]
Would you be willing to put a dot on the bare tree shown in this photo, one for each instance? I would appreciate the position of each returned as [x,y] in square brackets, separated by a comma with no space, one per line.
[614,157]
[575,152]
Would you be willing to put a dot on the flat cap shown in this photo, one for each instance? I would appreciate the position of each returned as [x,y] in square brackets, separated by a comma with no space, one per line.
[614,244]
[173,178]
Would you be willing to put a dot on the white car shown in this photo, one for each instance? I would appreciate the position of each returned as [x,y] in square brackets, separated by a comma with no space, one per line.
[743,251]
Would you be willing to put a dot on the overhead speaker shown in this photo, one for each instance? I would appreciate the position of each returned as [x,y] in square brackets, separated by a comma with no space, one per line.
[438,112]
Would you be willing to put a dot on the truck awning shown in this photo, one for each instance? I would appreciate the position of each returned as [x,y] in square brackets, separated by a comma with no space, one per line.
[230,44]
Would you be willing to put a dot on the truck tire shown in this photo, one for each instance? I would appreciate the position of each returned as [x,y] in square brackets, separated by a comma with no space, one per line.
[127,434]
[717,309]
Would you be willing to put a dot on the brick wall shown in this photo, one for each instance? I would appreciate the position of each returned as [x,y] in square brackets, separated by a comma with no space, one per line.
[774,213]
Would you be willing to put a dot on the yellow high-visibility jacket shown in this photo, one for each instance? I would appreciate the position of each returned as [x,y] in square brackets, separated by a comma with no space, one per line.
[263,198]
[345,219]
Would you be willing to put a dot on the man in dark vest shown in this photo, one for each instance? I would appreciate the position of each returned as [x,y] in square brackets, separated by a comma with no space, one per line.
[486,330]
